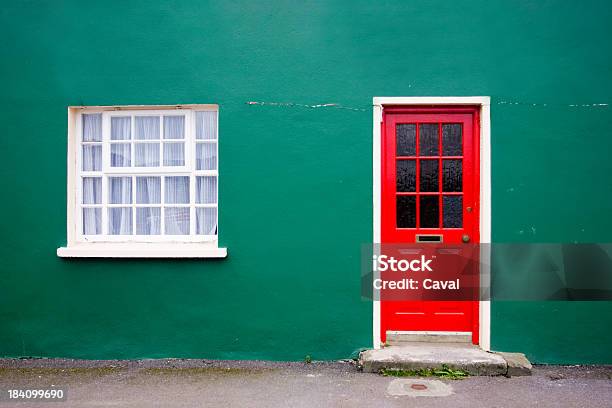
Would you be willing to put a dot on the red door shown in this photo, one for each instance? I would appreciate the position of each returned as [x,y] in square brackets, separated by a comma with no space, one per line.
[430,192]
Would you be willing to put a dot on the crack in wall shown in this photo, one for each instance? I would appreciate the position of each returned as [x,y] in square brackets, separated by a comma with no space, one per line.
[302,105]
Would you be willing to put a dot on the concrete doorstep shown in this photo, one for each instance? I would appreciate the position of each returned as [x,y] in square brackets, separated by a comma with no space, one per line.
[457,356]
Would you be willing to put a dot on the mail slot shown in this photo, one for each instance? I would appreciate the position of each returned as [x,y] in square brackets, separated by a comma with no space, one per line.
[429,238]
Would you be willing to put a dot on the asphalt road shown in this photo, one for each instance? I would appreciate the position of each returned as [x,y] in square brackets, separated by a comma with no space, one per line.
[201,383]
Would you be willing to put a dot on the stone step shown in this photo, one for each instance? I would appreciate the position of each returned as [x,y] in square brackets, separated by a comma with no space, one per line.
[397,338]
[419,355]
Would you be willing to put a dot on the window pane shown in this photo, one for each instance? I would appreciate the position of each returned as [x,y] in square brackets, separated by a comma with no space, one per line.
[452,175]
[121,155]
[148,190]
[429,175]
[174,154]
[121,128]
[206,156]
[174,127]
[429,212]
[120,190]
[206,221]
[120,221]
[177,190]
[428,139]
[176,221]
[452,213]
[405,177]
[92,221]
[206,125]
[406,139]
[92,127]
[406,212]
[147,155]
[92,158]
[452,139]
[206,190]
[92,190]
[148,221]
[147,127]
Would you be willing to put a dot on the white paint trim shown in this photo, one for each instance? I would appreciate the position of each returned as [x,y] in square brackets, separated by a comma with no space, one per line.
[485,193]
[181,250]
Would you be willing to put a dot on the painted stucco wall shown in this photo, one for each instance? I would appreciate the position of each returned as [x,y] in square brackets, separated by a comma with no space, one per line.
[295,192]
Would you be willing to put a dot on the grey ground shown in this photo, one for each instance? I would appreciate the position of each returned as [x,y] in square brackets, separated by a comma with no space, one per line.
[202,383]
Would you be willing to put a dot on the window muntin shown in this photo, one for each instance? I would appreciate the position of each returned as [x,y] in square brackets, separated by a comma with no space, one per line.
[147,175]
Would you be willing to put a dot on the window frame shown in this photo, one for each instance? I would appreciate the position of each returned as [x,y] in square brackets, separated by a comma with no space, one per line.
[191,245]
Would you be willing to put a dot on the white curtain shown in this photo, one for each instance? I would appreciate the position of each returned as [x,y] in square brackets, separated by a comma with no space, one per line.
[176,190]
[120,221]
[174,127]
[92,190]
[176,220]
[120,190]
[92,221]
[92,127]
[148,221]
[121,128]
[148,190]
[206,156]
[121,154]
[174,154]
[147,154]
[147,127]
[92,157]
[206,221]
[206,190]
[206,125]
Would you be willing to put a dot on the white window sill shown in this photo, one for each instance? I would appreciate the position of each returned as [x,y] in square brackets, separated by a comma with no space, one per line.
[140,250]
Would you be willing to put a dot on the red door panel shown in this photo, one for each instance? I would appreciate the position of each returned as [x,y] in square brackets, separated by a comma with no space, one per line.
[430,188]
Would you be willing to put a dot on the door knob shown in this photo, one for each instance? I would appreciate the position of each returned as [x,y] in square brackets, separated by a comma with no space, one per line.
[465,238]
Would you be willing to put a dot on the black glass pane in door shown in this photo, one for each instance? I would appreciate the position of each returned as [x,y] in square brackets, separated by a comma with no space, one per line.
[405,176]
[429,211]
[452,139]
[405,139]
[452,211]
[405,211]
[428,176]
[428,139]
[452,174]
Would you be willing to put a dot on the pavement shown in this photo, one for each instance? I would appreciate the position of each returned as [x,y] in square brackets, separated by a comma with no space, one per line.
[205,383]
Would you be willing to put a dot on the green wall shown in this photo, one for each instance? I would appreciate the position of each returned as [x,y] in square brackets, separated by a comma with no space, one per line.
[295,193]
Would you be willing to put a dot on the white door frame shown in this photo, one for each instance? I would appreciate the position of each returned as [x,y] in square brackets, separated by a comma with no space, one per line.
[484,326]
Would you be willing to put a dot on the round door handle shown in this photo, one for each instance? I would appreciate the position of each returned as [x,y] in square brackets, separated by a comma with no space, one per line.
[465,238]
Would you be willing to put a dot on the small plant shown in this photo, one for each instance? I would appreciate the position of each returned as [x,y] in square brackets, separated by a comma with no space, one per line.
[443,372]
[308,359]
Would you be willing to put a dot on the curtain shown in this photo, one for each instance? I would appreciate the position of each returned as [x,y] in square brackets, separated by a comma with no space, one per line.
[92,127]
[206,190]
[120,221]
[147,127]
[206,125]
[121,154]
[206,221]
[92,190]
[92,158]
[92,221]
[148,221]
[176,220]
[174,154]
[174,127]
[120,190]
[206,156]
[147,154]
[121,128]
[176,190]
[148,190]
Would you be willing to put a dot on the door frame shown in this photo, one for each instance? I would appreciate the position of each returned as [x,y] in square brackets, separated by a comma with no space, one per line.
[484,326]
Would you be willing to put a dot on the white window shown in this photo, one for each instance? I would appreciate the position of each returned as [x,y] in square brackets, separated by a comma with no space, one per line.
[143,182]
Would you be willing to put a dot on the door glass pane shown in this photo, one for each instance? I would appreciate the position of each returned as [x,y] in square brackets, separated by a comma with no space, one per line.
[406,212]
[405,176]
[406,139]
[428,139]
[428,178]
[452,175]
[452,213]
[429,211]
[452,139]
